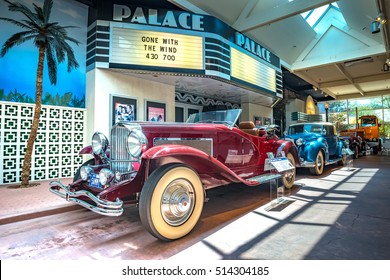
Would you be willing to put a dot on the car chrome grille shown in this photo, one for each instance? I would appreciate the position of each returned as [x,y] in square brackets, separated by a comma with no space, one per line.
[120,158]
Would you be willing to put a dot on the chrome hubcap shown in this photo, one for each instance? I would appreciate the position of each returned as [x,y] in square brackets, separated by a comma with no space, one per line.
[178,202]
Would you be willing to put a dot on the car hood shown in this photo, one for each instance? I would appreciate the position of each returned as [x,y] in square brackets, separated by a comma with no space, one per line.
[305,136]
[170,126]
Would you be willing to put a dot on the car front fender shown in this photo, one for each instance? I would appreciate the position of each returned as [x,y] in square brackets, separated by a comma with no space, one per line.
[87,150]
[340,146]
[353,145]
[211,171]
[172,150]
[311,149]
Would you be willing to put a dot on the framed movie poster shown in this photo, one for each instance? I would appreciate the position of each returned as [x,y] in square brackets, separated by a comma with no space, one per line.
[267,121]
[155,111]
[258,120]
[123,109]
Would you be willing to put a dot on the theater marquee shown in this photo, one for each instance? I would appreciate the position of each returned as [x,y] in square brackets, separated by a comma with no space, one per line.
[147,39]
[252,71]
[159,49]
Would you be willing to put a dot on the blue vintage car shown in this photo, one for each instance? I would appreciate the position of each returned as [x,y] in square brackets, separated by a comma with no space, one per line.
[318,145]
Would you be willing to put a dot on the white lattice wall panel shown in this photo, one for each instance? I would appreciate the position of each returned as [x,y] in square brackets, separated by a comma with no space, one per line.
[60,137]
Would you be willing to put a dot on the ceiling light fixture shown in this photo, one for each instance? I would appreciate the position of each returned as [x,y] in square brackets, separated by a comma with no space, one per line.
[358,61]
[381,19]
[378,22]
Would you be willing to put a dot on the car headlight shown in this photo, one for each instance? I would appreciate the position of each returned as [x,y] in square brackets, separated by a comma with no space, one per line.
[299,142]
[347,141]
[105,176]
[85,171]
[99,143]
[136,143]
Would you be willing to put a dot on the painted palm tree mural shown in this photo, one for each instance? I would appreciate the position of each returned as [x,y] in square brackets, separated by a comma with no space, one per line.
[51,39]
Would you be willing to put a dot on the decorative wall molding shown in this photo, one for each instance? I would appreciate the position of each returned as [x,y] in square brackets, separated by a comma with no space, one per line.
[61,135]
[203,101]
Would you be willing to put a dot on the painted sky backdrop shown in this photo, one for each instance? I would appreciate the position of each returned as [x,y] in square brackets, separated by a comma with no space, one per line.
[19,65]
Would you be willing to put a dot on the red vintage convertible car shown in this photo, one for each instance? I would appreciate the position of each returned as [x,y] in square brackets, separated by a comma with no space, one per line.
[167,167]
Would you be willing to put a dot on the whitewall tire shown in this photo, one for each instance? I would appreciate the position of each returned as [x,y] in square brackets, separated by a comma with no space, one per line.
[171,201]
[289,178]
[318,169]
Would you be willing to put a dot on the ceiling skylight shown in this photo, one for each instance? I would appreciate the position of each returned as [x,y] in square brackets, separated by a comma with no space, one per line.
[314,16]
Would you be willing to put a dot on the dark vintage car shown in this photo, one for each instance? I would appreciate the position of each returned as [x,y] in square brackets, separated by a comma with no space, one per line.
[318,145]
[166,168]
[355,142]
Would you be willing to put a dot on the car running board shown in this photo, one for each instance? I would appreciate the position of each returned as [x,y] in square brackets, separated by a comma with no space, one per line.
[264,178]
[332,161]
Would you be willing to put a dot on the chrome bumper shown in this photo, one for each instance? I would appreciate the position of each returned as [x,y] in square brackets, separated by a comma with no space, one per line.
[103,207]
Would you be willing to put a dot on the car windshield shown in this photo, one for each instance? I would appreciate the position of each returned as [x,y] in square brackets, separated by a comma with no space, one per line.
[227,117]
[305,128]
[368,121]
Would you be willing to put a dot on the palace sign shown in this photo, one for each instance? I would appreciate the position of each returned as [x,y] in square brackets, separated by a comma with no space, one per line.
[253,47]
[152,17]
